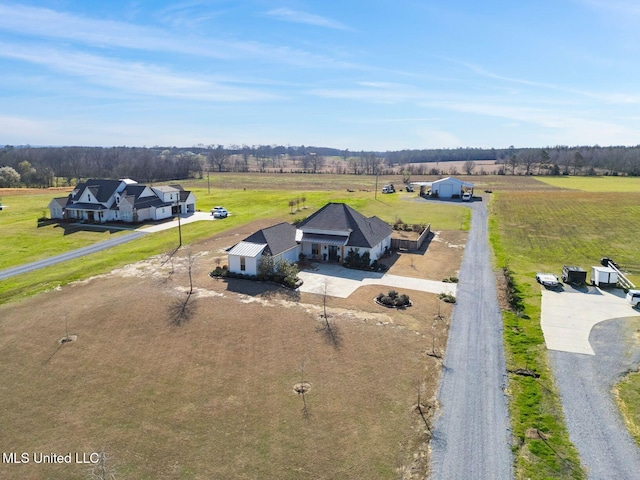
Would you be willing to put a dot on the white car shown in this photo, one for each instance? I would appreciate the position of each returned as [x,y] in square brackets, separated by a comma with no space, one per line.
[466,197]
[220,213]
[633,297]
[549,280]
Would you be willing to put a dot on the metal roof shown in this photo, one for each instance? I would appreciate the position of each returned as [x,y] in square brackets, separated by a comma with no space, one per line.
[337,240]
[247,249]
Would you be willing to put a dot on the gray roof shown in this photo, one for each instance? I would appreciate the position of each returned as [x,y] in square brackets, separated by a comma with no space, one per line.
[279,238]
[103,190]
[61,201]
[143,202]
[365,232]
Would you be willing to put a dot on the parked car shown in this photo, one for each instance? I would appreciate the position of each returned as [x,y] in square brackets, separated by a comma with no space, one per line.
[220,213]
[388,189]
[633,297]
[466,197]
[548,280]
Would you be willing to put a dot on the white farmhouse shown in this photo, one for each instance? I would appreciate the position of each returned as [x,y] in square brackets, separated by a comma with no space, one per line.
[100,201]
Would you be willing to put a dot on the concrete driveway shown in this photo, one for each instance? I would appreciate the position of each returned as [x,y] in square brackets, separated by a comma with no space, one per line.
[569,315]
[342,282]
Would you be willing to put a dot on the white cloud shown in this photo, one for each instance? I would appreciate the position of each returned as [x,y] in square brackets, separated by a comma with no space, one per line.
[132,77]
[295,16]
[43,22]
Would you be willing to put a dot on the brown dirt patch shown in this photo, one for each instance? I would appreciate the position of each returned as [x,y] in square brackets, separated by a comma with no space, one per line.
[439,257]
[163,400]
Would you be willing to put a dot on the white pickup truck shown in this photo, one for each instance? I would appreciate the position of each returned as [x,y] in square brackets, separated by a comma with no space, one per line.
[633,297]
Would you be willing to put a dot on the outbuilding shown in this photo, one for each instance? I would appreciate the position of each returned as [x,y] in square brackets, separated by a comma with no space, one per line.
[450,187]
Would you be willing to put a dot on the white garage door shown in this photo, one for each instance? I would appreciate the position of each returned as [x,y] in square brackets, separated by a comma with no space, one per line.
[446,190]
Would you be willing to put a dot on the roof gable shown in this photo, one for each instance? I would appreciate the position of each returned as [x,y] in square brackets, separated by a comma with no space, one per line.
[339,217]
[102,190]
[278,238]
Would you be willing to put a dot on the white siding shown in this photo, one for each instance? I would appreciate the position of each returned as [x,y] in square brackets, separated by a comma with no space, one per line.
[251,265]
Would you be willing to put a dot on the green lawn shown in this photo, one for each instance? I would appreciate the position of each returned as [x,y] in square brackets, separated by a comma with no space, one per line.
[22,241]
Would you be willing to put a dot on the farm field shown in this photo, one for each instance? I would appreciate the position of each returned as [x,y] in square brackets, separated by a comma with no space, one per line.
[541,231]
[214,397]
[23,242]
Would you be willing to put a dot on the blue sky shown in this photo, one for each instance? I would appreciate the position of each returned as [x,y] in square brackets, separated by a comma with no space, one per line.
[364,75]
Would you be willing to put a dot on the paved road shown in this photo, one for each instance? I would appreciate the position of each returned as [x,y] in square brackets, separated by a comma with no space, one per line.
[472,436]
[97,247]
[63,257]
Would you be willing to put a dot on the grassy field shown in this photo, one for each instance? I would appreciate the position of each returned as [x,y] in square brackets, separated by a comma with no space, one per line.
[22,241]
[595,184]
[534,229]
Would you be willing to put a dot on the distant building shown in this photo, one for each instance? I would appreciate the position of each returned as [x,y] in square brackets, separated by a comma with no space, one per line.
[448,187]
[100,201]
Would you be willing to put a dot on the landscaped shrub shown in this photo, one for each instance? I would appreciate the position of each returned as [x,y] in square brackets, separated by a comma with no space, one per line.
[284,273]
[354,260]
[447,298]
[393,299]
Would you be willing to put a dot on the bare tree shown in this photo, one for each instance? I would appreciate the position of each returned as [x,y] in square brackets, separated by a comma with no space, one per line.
[218,158]
[469,166]
[180,312]
[330,330]
[513,163]
[528,158]
[302,388]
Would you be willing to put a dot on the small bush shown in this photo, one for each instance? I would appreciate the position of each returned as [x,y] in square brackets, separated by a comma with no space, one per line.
[392,299]
[447,298]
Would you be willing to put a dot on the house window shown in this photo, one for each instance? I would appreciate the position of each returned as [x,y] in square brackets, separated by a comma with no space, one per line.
[243,264]
[314,248]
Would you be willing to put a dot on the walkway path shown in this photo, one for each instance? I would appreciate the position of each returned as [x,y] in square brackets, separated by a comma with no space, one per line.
[342,282]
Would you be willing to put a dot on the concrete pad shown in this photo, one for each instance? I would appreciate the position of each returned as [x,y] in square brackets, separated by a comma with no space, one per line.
[342,282]
[568,316]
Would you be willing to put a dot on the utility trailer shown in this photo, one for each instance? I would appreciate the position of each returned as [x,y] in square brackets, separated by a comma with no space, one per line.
[574,275]
[604,277]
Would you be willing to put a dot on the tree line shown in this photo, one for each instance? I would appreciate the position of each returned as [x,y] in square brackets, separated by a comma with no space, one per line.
[56,166]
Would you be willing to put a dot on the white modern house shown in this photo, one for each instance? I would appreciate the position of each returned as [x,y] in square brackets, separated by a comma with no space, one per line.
[336,228]
[326,236]
[100,201]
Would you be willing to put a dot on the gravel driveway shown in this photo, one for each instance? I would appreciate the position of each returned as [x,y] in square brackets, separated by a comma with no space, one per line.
[471,437]
[590,352]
